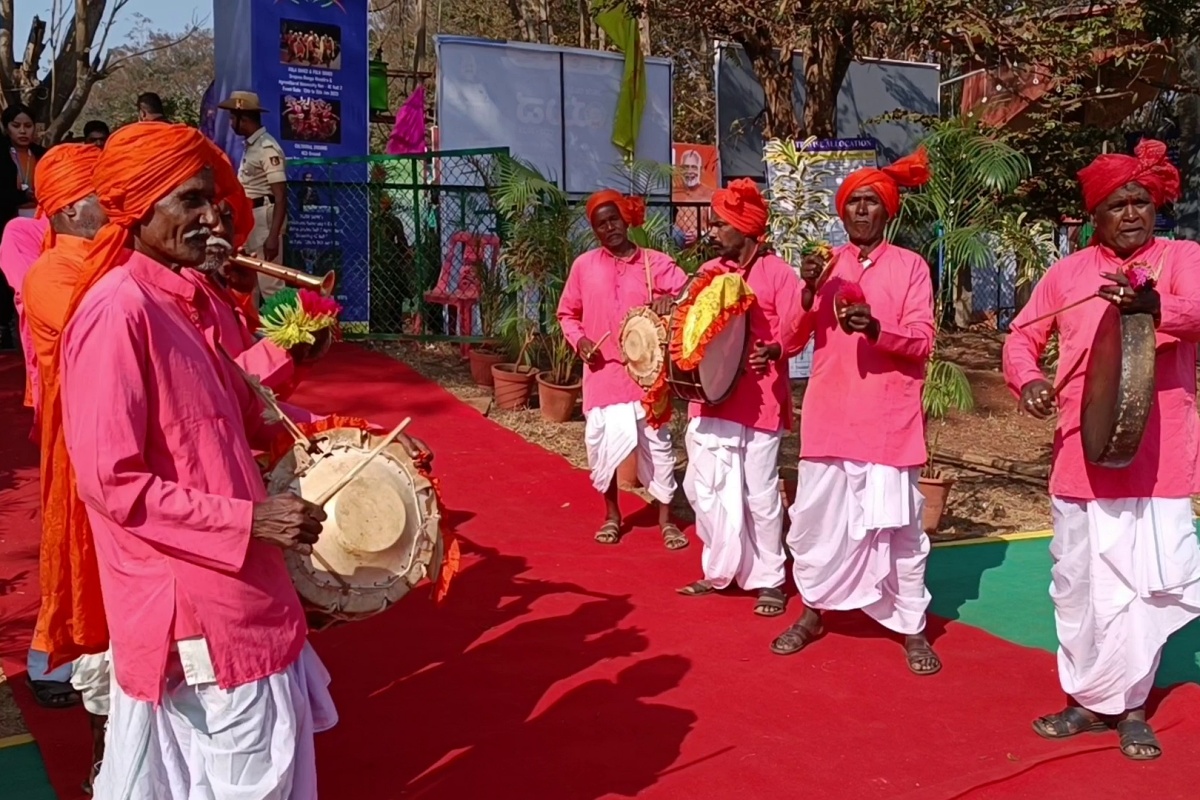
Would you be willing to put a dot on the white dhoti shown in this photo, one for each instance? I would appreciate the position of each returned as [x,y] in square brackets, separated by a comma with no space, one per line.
[732,482]
[253,742]
[613,432]
[857,542]
[91,676]
[1126,576]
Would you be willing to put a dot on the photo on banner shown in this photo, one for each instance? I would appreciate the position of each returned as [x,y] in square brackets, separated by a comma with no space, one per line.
[696,171]
[307,60]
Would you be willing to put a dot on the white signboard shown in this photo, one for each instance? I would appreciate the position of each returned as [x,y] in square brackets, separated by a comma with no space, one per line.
[550,106]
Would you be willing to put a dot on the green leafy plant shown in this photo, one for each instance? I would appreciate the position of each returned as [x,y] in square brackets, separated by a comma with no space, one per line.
[798,202]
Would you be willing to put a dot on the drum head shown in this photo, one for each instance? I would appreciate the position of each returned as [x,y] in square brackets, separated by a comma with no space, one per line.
[723,360]
[380,533]
[1118,388]
[643,345]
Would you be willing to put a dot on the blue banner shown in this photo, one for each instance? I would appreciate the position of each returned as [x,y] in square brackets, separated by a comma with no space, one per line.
[307,61]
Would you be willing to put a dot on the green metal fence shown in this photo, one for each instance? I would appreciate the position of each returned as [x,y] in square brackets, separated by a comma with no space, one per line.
[404,234]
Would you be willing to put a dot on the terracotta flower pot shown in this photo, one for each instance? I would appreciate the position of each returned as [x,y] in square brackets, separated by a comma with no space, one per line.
[481,365]
[557,403]
[936,491]
[512,385]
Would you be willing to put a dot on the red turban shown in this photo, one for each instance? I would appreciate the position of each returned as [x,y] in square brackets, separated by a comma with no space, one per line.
[1148,167]
[910,171]
[741,205]
[632,209]
[64,176]
[141,164]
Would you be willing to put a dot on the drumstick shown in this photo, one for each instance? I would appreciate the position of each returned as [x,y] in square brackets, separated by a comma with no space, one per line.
[345,480]
[1070,374]
[268,398]
[1058,311]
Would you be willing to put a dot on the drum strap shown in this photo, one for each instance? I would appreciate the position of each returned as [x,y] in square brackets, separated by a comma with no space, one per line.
[649,277]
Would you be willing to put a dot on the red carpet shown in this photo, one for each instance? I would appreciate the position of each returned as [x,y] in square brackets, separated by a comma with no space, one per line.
[561,670]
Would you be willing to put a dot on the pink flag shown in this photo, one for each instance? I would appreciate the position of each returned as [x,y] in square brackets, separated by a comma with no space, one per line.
[408,135]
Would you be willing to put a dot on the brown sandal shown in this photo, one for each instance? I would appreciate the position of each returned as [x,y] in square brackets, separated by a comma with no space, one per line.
[673,538]
[697,589]
[771,603]
[797,637]
[609,533]
[1071,721]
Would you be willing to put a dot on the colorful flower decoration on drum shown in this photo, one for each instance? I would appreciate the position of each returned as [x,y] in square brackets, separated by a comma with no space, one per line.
[711,301]
[294,317]
[1140,276]
[849,294]
[657,402]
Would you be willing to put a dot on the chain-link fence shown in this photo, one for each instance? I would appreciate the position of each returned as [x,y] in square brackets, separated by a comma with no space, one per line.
[407,235]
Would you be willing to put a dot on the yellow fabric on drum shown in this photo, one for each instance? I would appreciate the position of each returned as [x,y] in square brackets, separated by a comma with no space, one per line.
[711,306]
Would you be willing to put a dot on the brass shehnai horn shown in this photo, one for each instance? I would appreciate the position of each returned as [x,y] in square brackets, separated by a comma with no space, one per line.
[293,277]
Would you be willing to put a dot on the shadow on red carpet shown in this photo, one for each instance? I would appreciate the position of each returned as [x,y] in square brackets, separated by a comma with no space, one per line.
[561,670]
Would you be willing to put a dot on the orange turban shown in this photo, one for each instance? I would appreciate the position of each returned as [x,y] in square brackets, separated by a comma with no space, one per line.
[64,176]
[741,204]
[1148,167]
[631,208]
[909,171]
[141,164]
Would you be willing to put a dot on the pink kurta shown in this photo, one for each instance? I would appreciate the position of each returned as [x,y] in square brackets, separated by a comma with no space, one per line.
[600,291]
[20,246]
[764,401]
[1166,464]
[156,426]
[863,401]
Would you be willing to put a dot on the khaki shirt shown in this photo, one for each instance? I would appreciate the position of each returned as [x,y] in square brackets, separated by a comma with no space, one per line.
[262,164]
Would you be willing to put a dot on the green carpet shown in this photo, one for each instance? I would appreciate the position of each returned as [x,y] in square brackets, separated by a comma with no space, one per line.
[22,776]
[1004,588]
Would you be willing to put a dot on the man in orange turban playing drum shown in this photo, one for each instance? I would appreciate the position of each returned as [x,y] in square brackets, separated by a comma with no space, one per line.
[732,478]
[1126,561]
[856,536]
[214,682]
[603,285]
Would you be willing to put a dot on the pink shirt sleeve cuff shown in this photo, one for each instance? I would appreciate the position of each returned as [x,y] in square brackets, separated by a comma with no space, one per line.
[1179,317]
[896,340]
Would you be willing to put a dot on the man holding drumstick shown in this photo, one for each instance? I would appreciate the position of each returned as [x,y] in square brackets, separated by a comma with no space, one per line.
[603,285]
[732,477]
[1126,560]
[214,681]
[856,535]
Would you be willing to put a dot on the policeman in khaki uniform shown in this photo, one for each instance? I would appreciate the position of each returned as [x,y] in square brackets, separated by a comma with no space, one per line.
[264,176]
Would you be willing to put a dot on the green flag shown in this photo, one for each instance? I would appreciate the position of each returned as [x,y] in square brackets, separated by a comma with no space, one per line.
[622,29]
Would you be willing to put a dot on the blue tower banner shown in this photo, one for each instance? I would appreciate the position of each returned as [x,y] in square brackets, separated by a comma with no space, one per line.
[307,61]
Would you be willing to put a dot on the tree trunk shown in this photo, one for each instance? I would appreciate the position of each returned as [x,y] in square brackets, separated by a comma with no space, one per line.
[773,68]
[1188,208]
[826,61]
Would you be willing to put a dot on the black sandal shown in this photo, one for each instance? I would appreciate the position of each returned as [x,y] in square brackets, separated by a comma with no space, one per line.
[673,538]
[697,589]
[920,651]
[1071,721]
[52,694]
[1137,733]
[771,603]
[609,533]
[797,637]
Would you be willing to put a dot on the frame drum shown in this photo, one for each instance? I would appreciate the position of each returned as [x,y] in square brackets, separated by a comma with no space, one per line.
[1118,388]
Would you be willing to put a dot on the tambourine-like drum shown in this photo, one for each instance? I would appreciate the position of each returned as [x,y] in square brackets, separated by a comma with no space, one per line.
[643,343]
[381,537]
[709,339]
[1118,388]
